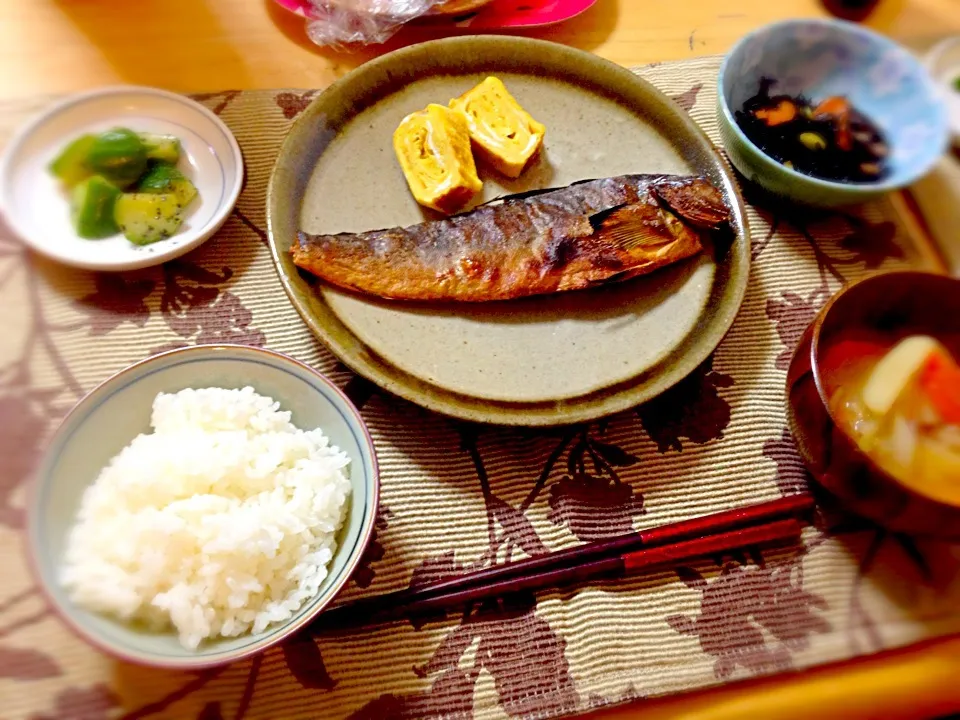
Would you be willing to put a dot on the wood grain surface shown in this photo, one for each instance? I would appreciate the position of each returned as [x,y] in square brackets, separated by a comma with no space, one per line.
[194,45]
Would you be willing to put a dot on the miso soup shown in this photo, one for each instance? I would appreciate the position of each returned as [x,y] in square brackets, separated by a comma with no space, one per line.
[899,398]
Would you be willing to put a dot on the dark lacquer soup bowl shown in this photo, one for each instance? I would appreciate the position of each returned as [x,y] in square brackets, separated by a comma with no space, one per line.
[887,307]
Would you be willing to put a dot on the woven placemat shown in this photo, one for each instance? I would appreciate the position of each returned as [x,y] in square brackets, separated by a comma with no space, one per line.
[459,497]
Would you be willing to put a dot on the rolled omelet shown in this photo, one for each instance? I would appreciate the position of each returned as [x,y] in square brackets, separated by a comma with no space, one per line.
[503,133]
[433,147]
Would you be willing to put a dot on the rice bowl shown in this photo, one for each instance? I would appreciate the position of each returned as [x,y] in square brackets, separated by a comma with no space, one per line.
[108,419]
[219,522]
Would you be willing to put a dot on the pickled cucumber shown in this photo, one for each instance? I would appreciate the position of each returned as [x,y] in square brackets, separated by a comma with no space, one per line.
[119,156]
[92,204]
[97,167]
[71,164]
[165,148]
[146,218]
[162,178]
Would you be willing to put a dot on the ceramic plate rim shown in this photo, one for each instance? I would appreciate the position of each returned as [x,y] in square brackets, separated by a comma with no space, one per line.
[618,397]
[282,632]
[219,217]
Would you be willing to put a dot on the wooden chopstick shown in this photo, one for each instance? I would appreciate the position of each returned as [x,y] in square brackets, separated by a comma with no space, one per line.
[639,551]
[645,560]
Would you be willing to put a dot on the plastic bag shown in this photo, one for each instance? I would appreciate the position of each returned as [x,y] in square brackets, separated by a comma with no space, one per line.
[340,23]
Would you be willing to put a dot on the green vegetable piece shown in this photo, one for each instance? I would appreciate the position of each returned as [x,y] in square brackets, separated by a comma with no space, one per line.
[146,218]
[159,178]
[163,178]
[813,141]
[71,164]
[956,83]
[119,156]
[165,148]
[92,203]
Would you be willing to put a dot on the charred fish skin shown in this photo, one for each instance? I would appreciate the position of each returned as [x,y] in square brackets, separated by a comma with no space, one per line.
[534,243]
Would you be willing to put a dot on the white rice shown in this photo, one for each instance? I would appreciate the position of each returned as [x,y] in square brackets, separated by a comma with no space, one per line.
[220,522]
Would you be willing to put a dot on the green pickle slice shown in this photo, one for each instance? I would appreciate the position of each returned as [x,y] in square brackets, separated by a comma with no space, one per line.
[163,178]
[92,204]
[119,156]
[70,165]
[165,148]
[146,218]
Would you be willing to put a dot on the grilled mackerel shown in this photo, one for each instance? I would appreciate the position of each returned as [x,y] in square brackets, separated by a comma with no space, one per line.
[533,243]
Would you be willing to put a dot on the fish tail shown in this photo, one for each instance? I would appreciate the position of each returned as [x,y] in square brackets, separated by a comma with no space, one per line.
[695,201]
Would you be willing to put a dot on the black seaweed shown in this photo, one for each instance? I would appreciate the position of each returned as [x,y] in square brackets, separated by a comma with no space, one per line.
[865,161]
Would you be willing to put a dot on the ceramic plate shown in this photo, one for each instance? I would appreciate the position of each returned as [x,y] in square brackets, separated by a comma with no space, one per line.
[38,208]
[550,360]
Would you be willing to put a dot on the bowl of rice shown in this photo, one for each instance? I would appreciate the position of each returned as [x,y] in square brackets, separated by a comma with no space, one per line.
[202,505]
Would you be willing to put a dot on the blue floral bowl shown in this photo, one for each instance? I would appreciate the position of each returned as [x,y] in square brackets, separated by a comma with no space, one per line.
[819,58]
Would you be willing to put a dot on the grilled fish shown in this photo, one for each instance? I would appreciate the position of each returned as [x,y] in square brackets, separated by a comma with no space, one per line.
[533,243]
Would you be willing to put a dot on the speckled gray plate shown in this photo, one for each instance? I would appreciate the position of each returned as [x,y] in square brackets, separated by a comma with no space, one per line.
[543,361]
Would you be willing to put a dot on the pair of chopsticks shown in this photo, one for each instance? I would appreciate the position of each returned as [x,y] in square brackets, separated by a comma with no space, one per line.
[768,523]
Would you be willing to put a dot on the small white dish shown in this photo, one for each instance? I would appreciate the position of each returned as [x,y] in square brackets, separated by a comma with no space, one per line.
[37,208]
[943,64]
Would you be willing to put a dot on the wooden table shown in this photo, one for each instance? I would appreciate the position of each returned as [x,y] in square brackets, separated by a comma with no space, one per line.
[52,46]
[196,45]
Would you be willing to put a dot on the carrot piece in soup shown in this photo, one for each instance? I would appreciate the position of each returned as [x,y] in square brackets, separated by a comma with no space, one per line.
[940,380]
[847,351]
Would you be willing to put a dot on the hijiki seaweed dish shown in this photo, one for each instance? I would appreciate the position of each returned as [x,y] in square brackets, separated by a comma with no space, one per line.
[830,139]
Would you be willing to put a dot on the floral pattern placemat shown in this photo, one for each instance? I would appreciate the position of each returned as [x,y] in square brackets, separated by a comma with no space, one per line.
[457,497]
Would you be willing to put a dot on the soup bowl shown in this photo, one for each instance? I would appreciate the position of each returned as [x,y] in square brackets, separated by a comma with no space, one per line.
[894,304]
